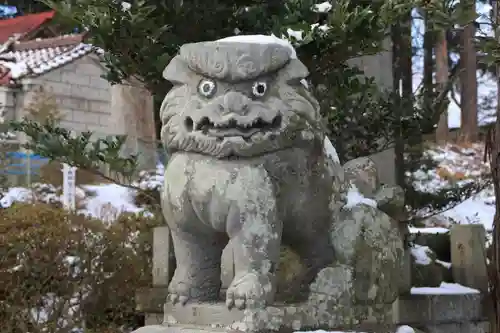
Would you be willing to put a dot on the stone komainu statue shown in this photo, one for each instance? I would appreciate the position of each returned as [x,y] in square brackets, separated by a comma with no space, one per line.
[247,164]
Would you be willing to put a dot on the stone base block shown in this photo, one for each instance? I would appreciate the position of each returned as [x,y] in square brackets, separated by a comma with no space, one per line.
[280,318]
[430,313]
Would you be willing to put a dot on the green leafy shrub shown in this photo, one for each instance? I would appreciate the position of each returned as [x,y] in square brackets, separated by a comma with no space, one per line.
[60,271]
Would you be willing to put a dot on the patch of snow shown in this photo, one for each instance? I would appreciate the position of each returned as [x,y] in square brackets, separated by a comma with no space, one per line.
[421,254]
[261,39]
[109,200]
[329,150]
[322,331]
[297,34]
[126,6]
[15,194]
[354,198]
[405,329]
[17,69]
[444,289]
[474,210]
[323,7]
[436,230]
[322,27]
[457,166]
[444,263]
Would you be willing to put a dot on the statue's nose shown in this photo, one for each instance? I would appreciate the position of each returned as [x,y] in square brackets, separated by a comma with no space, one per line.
[235,102]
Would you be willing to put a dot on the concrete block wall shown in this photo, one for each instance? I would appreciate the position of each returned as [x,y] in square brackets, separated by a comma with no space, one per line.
[83,97]
[379,67]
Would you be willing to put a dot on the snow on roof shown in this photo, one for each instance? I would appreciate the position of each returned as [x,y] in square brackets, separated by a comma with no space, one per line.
[36,57]
[260,39]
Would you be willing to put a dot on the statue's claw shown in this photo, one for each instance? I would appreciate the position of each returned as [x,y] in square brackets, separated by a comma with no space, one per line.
[249,289]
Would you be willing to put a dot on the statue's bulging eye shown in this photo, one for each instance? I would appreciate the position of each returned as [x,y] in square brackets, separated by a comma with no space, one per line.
[259,89]
[207,88]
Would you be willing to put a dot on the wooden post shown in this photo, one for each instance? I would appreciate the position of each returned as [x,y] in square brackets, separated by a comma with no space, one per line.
[161,256]
[468,256]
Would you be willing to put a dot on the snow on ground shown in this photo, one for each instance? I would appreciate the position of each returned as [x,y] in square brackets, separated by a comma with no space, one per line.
[107,200]
[421,254]
[444,289]
[401,329]
[436,230]
[459,165]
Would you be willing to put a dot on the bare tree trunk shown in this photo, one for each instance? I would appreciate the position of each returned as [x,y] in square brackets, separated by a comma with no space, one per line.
[406,60]
[442,80]
[493,148]
[428,61]
[468,80]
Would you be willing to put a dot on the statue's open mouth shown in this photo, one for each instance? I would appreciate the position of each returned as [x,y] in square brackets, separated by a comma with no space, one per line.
[232,127]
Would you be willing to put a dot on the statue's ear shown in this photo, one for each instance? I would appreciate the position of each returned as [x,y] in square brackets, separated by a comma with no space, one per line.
[294,71]
[177,71]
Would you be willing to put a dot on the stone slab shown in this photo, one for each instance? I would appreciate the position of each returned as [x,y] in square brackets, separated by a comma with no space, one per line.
[177,329]
[279,318]
[417,309]
[468,256]
[469,327]
[197,329]
[435,312]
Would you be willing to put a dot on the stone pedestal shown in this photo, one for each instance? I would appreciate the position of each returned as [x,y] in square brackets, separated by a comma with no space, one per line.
[430,313]
[282,318]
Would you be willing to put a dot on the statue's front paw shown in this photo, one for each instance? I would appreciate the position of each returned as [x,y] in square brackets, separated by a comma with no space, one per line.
[249,290]
[178,292]
[193,287]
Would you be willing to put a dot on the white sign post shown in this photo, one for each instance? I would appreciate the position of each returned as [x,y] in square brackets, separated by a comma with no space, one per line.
[69,187]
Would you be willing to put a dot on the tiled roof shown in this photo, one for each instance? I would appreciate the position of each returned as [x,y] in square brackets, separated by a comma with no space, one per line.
[23,25]
[35,57]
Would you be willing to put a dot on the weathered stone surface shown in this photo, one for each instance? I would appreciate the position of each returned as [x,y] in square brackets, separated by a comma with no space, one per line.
[369,241]
[313,314]
[247,163]
[363,174]
[244,165]
[435,313]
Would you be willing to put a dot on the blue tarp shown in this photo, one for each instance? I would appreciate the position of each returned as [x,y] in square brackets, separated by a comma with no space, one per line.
[7,11]
[21,168]
[19,154]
